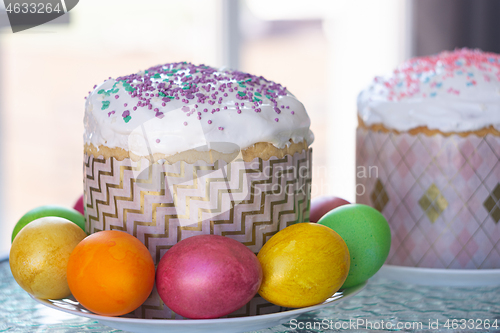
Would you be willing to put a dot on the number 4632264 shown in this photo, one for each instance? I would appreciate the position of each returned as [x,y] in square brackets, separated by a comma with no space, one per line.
[33,8]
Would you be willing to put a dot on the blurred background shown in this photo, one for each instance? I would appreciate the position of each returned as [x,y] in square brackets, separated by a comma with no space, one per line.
[323,51]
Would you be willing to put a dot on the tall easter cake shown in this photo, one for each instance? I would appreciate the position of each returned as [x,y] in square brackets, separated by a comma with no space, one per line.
[428,158]
[180,150]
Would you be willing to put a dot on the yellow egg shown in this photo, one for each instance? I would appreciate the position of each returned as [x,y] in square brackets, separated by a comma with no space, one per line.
[39,256]
[303,265]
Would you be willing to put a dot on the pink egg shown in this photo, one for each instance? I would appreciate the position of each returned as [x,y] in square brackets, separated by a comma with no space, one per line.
[322,205]
[208,276]
[79,205]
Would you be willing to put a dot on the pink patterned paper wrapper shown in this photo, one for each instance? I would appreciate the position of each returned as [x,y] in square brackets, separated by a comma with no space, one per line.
[162,204]
[440,195]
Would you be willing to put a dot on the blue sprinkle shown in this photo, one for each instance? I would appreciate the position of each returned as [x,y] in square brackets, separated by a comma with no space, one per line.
[460,72]
[427,79]
[439,84]
[491,59]
[433,94]
[470,74]
[400,84]
[469,84]
[458,63]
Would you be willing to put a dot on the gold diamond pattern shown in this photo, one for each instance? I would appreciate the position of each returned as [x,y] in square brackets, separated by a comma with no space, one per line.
[379,196]
[492,204]
[433,203]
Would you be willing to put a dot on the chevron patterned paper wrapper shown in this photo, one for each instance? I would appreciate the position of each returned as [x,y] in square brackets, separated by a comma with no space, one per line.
[162,204]
[440,195]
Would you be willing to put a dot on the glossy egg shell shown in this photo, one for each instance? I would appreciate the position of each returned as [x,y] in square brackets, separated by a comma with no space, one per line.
[320,206]
[303,264]
[367,235]
[208,276]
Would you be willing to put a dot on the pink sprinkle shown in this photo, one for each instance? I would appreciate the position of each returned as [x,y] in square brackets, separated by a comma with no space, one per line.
[185,123]
[209,122]
[157,140]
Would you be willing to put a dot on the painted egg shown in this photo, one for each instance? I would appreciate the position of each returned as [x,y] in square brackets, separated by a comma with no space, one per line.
[303,265]
[322,205]
[208,276]
[40,253]
[367,235]
[111,273]
[49,210]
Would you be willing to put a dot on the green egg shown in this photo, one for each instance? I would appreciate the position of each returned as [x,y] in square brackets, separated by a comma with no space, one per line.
[367,235]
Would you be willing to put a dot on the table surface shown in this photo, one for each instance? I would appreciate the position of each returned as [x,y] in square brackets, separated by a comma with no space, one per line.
[381,302]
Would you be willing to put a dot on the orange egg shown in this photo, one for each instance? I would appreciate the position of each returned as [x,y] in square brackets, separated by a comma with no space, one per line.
[111,273]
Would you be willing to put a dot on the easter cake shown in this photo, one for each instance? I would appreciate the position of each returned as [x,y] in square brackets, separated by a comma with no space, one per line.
[180,150]
[428,158]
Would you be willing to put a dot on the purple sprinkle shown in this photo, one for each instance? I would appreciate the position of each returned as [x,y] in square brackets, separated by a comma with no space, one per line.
[287,107]
[116,96]
[205,110]
[163,104]
[110,113]
[125,113]
[156,109]
[185,123]
[221,128]
[125,105]
[239,111]
[199,117]
[134,108]
[276,119]
[157,140]
[209,122]
[225,108]
[278,111]
[293,112]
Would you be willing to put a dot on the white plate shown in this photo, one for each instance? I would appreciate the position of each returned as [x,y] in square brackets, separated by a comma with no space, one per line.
[230,325]
[441,277]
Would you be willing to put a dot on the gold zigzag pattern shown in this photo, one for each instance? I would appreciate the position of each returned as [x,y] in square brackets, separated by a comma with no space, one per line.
[301,212]
[131,198]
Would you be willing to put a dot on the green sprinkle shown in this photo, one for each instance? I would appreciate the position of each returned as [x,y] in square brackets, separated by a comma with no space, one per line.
[169,74]
[248,80]
[101,91]
[127,119]
[165,80]
[268,96]
[146,72]
[255,99]
[161,94]
[105,105]
[241,93]
[242,85]
[157,76]
[115,91]
[270,91]
[258,94]
[171,97]
[129,88]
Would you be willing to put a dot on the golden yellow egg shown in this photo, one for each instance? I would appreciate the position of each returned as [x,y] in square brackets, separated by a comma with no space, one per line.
[303,265]
[39,256]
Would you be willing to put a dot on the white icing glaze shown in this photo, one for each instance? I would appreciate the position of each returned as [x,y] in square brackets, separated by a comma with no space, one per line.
[455,91]
[180,127]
